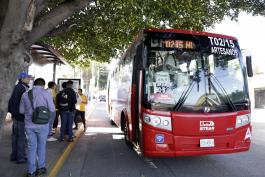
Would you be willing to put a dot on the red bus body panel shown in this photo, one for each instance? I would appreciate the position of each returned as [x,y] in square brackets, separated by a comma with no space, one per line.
[184,139]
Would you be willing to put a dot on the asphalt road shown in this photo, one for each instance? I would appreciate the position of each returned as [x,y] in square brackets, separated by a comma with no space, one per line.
[101,152]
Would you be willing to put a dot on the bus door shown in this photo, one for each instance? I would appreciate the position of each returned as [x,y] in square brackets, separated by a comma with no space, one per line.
[137,92]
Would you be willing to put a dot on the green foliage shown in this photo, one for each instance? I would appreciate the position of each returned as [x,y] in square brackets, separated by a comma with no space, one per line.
[101,31]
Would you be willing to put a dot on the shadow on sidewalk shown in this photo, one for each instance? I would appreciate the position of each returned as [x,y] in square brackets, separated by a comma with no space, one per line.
[11,169]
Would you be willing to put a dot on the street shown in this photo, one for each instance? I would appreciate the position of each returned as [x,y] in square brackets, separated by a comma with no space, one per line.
[101,152]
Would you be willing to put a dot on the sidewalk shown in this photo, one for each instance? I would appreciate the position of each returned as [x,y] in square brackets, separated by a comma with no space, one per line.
[55,151]
[10,169]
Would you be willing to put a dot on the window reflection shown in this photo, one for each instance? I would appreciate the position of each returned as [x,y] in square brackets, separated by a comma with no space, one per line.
[188,81]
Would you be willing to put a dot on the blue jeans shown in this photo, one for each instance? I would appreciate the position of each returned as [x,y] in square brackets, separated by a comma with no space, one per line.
[67,119]
[37,138]
[18,141]
[51,120]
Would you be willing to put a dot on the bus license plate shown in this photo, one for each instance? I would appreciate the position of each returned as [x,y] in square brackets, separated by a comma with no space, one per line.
[206,142]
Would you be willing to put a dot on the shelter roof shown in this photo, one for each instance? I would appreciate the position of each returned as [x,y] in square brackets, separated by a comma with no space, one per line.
[43,54]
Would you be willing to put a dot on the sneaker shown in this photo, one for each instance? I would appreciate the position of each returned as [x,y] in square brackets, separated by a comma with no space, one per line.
[51,133]
[60,139]
[41,171]
[13,159]
[51,139]
[31,174]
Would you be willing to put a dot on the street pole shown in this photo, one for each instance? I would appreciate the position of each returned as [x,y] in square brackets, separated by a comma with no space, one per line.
[54,71]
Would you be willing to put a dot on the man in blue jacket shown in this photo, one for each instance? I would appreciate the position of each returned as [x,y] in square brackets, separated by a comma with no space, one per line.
[18,129]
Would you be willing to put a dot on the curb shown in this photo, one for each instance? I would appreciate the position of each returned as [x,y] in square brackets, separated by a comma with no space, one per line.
[60,161]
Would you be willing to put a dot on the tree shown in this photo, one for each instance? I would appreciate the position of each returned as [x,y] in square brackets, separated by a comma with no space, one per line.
[84,30]
[102,76]
[22,23]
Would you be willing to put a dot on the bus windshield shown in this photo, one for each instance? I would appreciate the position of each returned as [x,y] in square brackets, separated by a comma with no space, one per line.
[193,81]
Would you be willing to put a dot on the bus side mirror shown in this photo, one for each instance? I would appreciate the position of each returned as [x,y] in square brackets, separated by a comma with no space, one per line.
[249,66]
[140,57]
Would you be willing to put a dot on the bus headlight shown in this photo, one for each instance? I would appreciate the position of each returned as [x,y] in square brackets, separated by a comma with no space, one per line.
[166,122]
[147,119]
[158,121]
[243,120]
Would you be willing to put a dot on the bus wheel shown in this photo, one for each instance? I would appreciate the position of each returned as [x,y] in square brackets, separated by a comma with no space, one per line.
[112,122]
[126,136]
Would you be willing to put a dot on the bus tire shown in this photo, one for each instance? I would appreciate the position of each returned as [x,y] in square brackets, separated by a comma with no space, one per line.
[112,122]
[126,134]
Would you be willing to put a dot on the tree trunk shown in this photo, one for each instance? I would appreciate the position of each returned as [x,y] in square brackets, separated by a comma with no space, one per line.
[11,64]
[15,23]
[16,35]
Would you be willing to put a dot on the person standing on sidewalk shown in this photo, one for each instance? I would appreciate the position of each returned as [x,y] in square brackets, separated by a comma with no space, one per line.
[58,113]
[36,133]
[52,90]
[66,101]
[80,109]
[18,128]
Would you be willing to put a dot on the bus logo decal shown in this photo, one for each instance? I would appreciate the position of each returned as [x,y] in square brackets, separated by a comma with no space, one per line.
[160,138]
[207,126]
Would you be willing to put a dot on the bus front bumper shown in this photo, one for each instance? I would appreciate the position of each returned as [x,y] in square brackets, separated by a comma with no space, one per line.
[191,146]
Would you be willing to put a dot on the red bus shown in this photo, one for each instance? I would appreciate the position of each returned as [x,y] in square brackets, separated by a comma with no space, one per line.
[182,93]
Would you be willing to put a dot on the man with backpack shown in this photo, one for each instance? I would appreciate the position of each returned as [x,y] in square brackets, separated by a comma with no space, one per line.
[36,105]
[66,100]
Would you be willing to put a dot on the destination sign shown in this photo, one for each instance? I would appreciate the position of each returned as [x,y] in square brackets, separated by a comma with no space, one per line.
[222,46]
[173,43]
[213,44]
[180,44]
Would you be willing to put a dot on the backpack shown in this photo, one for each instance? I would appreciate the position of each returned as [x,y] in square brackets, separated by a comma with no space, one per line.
[63,100]
[41,114]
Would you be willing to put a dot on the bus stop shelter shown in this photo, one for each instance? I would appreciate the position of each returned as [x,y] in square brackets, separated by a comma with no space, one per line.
[44,54]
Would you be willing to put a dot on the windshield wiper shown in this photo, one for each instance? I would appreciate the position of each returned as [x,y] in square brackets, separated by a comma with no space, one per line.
[223,90]
[183,96]
[242,103]
[196,78]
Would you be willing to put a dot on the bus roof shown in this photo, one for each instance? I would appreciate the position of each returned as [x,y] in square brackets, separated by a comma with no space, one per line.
[150,30]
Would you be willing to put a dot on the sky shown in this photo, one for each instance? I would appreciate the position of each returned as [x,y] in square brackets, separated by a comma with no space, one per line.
[250,32]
